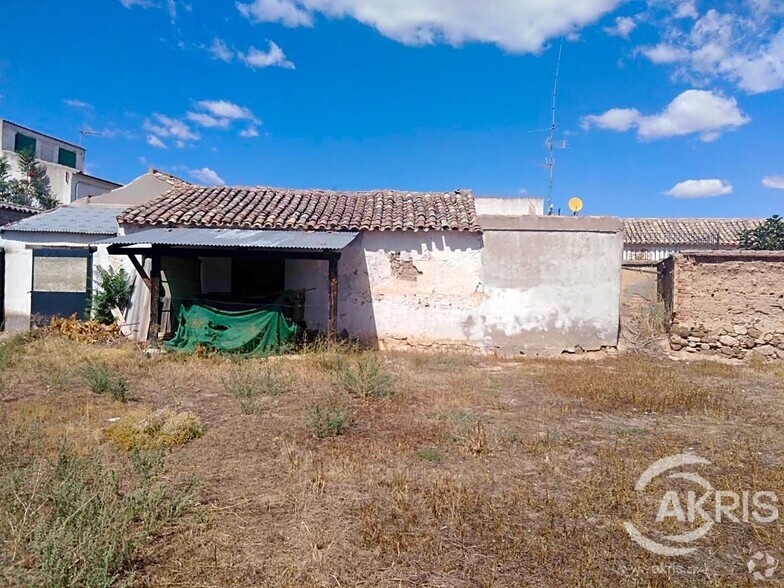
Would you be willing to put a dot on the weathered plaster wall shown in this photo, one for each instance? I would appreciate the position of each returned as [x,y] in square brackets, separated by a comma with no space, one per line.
[550,284]
[729,303]
[528,285]
[19,269]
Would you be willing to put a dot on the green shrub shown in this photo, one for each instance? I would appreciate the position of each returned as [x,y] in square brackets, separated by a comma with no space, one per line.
[329,420]
[101,380]
[75,522]
[365,377]
[114,289]
[158,430]
[249,382]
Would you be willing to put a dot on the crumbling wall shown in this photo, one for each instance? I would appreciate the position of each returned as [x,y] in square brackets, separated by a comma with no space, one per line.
[526,285]
[728,303]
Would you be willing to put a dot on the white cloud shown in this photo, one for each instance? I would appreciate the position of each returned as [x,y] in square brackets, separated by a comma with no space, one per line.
[615,119]
[140,3]
[744,47]
[154,141]
[700,189]
[515,25]
[692,112]
[219,50]
[207,176]
[164,127]
[664,53]
[623,27]
[249,133]
[273,57]
[80,104]
[226,109]
[775,182]
[282,11]
[207,120]
[687,9]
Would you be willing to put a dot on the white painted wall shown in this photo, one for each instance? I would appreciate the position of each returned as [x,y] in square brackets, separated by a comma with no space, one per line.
[19,269]
[67,183]
[486,205]
[541,290]
[46,148]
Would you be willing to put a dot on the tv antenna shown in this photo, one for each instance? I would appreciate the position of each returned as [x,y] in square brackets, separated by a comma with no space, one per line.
[551,144]
[87,132]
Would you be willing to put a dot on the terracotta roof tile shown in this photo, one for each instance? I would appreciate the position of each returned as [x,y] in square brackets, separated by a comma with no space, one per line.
[187,205]
[169,178]
[686,231]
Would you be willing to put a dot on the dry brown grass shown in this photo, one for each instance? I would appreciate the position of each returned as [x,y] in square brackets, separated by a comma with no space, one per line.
[637,383]
[477,472]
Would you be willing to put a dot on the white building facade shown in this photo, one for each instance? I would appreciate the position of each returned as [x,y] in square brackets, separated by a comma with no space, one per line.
[64,162]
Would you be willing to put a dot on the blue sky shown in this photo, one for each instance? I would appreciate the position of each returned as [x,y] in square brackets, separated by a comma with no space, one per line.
[670,108]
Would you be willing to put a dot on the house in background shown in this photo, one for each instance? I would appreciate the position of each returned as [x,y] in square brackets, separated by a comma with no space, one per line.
[64,162]
[50,257]
[655,239]
[393,269]
[9,213]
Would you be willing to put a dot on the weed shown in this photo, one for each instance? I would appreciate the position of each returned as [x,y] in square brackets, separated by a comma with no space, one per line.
[100,379]
[430,455]
[249,382]
[7,352]
[161,429]
[329,420]
[365,377]
[476,440]
[73,521]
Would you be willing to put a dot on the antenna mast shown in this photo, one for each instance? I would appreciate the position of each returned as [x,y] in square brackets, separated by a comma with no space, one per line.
[550,142]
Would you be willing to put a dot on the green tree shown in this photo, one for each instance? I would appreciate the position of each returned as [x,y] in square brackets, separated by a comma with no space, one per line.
[769,236]
[33,188]
[6,182]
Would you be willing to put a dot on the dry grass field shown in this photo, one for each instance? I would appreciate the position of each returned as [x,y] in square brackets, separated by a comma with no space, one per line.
[338,468]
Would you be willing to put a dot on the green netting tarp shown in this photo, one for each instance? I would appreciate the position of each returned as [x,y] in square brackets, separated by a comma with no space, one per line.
[259,331]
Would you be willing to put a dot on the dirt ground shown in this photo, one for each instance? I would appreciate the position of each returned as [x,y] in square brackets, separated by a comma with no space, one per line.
[476,472]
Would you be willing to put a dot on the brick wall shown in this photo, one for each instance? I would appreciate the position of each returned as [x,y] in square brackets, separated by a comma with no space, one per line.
[729,303]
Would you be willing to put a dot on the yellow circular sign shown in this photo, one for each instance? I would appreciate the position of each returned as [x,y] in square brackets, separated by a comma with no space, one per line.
[575,204]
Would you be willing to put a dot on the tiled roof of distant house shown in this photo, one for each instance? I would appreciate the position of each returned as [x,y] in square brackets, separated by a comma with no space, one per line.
[686,231]
[273,208]
[167,177]
[5,205]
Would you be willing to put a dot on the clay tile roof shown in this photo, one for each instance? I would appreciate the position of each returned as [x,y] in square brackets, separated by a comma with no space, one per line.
[686,231]
[5,205]
[169,178]
[316,210]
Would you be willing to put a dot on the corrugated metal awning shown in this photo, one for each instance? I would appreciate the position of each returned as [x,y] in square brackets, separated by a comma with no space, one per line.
[257,239]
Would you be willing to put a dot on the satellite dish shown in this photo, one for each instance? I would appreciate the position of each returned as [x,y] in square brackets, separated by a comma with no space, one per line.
[575,205]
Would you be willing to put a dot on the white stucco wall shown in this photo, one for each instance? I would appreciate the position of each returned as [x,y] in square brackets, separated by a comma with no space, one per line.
[544,287]
[487,205]
[19,269]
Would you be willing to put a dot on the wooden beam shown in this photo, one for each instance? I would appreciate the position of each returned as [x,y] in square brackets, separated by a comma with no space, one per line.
[155,299]
[333,299]
[142,273]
